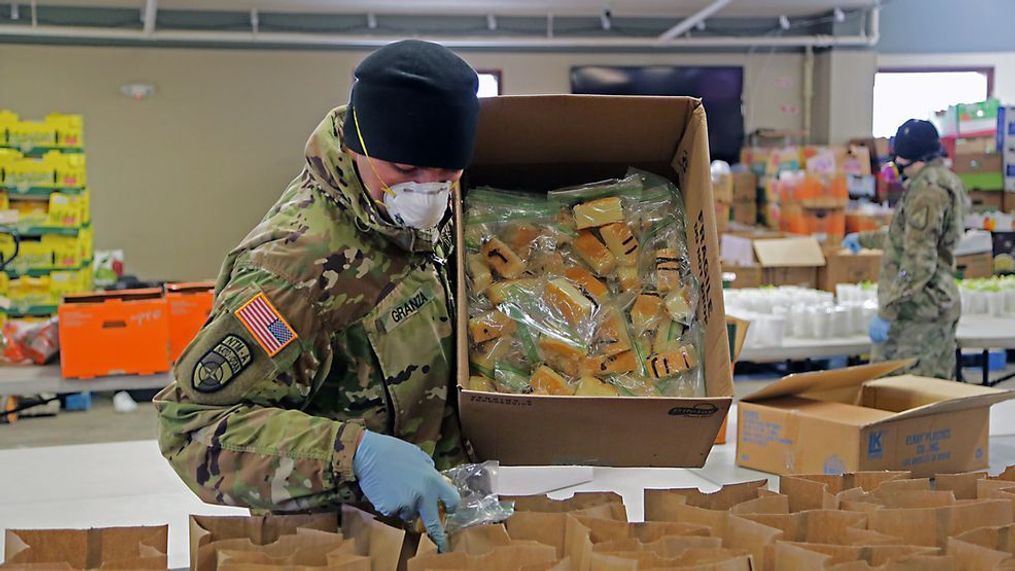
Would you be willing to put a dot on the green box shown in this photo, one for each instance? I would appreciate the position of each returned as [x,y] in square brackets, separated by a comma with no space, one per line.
[982,180]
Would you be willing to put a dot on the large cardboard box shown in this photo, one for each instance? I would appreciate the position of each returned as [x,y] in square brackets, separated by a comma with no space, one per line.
[976,145]
[847,268]
[781,260]
[975,265]
[846,420]
[745,187]
[744,212]
[745,276]
[977,163]
[986,200]
[722,216]
[578,139]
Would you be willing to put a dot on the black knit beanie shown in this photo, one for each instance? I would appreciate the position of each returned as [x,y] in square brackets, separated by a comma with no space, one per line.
[917,140]
[416,104]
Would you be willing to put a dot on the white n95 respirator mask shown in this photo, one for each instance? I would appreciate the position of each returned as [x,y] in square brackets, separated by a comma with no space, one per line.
[418,204]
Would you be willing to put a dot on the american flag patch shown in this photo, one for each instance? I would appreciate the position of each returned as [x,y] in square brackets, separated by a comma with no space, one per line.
[269,329]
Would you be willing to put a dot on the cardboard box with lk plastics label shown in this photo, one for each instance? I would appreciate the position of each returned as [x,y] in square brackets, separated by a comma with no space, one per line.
[538,143]
[846,420]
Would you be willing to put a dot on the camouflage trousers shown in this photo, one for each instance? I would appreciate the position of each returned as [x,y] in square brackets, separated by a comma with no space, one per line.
[932,344]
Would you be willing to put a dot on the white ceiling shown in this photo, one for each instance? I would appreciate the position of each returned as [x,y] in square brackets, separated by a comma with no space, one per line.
[620,8]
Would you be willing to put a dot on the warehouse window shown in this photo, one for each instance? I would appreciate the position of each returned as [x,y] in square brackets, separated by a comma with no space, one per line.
[489,83]
[901,94]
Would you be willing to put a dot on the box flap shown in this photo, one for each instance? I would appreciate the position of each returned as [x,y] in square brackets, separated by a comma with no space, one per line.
[124,294]
[789,252]
[636,432]
[600,141]
[190,287]
[819,381]
[914,396]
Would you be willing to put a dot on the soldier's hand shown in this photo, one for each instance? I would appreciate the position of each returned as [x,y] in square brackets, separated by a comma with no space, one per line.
[878,329]
[400,480]
[852,242]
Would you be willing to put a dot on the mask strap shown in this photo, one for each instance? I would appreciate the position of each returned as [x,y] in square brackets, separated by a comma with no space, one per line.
[355,119]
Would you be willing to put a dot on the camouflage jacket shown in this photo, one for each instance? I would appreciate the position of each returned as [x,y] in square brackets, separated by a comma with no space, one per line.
[917,271]
[327,320]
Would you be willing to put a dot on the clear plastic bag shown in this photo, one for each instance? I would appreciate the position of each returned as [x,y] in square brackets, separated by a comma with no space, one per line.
[589,291]
[480,505]
[664,318]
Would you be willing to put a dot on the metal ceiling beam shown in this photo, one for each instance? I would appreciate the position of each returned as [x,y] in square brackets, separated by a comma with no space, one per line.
[868,37]
[693,20]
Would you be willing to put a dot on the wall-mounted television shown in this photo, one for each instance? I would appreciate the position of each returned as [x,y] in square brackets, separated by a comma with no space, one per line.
[720,89]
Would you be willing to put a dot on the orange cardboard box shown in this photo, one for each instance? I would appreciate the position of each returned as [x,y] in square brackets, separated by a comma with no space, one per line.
[114,333]
[190,305]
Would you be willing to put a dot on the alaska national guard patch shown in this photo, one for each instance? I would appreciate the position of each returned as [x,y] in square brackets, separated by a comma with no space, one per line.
[220,365]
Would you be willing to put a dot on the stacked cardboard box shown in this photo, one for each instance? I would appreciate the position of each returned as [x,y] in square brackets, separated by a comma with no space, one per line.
[809,204]
[155,328]
[760,258]
[980,172]
[44,195]
[1006,146]
[845,267]
[970,135]
[744,209]
[722,193]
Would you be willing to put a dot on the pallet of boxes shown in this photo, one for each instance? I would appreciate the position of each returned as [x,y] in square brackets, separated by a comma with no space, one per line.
[45,235]
[590,312]
[45,199]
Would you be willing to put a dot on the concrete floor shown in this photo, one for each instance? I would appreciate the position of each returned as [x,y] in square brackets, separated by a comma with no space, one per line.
[99,424]
[102,424]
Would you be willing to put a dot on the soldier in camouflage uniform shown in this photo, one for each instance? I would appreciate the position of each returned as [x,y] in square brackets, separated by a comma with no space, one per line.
[333,319]
[918,298]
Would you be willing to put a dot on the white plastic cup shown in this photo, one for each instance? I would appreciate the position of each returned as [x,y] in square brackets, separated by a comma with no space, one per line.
[859,320]
[801,321]
[821,323]
[782,312]
[977,302]
[840,325]
[995,303]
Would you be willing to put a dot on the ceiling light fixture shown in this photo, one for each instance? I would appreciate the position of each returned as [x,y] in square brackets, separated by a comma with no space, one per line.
[606,19]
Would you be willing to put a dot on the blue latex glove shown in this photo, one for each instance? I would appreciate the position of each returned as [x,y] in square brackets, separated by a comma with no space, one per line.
[878,329]
[399,479]
[852,242]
